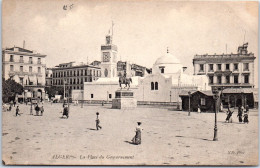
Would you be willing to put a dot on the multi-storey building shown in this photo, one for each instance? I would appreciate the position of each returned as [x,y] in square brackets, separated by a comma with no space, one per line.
[232,72]
[74,75]
[227,70]
[27,68]
[130,69]
[48,77]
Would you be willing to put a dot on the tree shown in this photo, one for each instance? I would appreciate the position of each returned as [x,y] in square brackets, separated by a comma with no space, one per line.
[10,88]
[54,90]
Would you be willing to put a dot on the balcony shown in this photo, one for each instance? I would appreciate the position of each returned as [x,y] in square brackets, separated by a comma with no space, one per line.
[22,73]
[21,61]
[39,62]
[19,73]
[30,62]
[11,60]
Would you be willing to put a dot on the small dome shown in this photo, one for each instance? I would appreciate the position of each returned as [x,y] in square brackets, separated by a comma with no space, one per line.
[167,59]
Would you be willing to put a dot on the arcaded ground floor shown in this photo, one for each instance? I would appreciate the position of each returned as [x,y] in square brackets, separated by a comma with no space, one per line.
[168,138]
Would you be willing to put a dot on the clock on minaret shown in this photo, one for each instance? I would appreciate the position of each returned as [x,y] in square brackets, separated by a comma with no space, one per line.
[106,56]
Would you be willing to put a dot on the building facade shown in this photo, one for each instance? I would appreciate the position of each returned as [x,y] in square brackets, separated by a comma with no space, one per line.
[163,85]
[27,68]
[48,77]
[130,69]
[227,70]
[73,76]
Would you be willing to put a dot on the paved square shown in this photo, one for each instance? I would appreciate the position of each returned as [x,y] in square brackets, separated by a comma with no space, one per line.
[169,137]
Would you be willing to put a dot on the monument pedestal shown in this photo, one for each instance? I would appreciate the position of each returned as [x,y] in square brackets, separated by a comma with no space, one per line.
[124,100]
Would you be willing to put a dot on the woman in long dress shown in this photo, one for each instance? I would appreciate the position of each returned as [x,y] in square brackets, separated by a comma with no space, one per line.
[246,118]
[199,111]
[137,138]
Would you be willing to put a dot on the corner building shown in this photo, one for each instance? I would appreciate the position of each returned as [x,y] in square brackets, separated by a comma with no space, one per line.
[227,70]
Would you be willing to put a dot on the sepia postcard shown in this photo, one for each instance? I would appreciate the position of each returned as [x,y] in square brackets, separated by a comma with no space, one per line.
[130,82]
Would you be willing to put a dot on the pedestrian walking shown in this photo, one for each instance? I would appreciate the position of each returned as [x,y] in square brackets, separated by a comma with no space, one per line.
[14,103]
[37,109]
[221,107]
[246,118]
[240,114]
[229,116]
[65,111]
[137,138]
[42,110]
[17,111]
[199,111]
[10,107]
[98,122]
[247,109]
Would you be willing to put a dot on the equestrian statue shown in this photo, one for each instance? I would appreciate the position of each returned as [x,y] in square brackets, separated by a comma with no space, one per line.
[125,80]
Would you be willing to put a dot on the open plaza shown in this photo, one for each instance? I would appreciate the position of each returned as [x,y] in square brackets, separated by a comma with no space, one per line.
[169,137]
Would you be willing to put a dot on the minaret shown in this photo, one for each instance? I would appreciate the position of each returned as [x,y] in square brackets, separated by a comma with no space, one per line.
[109,57]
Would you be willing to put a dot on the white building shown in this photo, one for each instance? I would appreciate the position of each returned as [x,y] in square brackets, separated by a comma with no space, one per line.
[167,80]
[27,68]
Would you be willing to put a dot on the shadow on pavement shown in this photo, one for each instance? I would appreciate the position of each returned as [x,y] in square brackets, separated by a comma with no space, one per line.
[92,129]
[129,142]
[204,139]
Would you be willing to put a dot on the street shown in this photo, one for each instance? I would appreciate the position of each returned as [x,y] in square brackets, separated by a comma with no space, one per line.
[168,138]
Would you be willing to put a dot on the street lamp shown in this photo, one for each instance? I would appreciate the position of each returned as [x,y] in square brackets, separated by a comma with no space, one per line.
[189,102]
[31,110]
[170,96]
[243,99]
[216,98]
[82,99]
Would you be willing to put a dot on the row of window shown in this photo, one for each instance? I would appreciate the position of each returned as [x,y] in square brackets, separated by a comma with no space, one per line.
[21,69]
[28,82]
[22,60]
[227,67]
[77,73]
[227,79]
[154,85]
[109,96]
[73,81]
[74,87]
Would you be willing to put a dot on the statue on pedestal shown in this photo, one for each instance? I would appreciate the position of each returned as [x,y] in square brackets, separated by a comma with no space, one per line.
[125,80]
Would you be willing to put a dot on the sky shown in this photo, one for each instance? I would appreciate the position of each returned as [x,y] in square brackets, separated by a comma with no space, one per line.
[142,29]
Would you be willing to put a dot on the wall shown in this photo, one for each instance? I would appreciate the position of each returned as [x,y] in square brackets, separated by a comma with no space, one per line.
[77,95]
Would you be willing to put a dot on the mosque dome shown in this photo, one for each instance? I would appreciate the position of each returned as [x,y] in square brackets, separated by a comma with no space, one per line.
[167,59]
[167,64]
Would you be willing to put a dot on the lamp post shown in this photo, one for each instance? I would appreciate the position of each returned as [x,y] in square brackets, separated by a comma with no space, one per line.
[82,98]
[189,102]
[170,96]
[31,110]
[64,89]
[243,99]
[216,98]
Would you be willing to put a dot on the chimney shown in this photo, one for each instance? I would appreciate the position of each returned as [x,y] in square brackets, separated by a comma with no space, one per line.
[24,44]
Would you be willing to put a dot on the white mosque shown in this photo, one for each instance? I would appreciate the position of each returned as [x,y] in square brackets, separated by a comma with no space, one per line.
[164,84]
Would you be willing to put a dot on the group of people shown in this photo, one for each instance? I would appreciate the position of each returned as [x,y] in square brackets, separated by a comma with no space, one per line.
[38,109]
[242,112]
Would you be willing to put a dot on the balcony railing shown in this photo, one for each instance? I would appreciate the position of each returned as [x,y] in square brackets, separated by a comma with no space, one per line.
[21,61]
[30,62]
[39,62]
[11,60]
